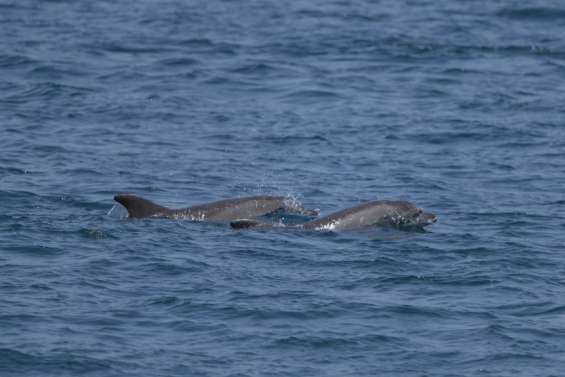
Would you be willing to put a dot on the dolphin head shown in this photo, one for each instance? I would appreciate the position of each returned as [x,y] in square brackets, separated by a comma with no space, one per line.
[407,215]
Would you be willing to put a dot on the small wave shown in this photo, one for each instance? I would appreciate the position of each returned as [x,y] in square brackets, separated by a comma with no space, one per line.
[499,357]
[544,14]
[15,5]
[264,70]
[414,50]
[14,361]
[133,48]
[197,42]
[164,301]
[178,62]
[13,320]
[449,137]
[468,280]
[19,195]
[293,139]
[230,81]
[168,269]
[311,95]
[336,341]
[96,234]
[313,341]
[205,44]
[12,171]
[412,310]
[80,171]
[255,68]
[50,148]
[122,74]
[35,250]
[45,91]
[534,309]
[50,72]
[19,61]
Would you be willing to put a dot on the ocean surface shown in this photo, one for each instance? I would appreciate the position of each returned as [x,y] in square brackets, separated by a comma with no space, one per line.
[455,106]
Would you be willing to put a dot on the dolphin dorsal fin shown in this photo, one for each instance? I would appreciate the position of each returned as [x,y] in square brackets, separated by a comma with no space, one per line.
[138,207]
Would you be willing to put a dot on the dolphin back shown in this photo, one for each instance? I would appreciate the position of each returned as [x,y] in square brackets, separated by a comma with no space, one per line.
[138,207]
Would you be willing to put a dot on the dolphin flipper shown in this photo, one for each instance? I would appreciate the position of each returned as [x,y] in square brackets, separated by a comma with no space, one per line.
[138,207]
[247,223]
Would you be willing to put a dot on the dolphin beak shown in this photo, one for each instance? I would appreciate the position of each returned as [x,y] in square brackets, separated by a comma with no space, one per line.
[428,218]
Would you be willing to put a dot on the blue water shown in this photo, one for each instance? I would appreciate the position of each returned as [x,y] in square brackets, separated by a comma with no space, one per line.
[456,106]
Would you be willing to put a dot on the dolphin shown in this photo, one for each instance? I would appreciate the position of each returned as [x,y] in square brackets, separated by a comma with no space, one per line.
[395,213]
[223,210]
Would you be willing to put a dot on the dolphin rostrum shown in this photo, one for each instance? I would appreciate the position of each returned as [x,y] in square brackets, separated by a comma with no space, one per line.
[394,213]
[223,210]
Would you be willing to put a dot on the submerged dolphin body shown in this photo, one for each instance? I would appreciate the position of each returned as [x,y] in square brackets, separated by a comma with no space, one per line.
[394,213]
[223,210]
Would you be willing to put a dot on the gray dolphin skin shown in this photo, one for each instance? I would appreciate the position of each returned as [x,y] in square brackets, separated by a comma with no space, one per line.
[395,213]
[223,210]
